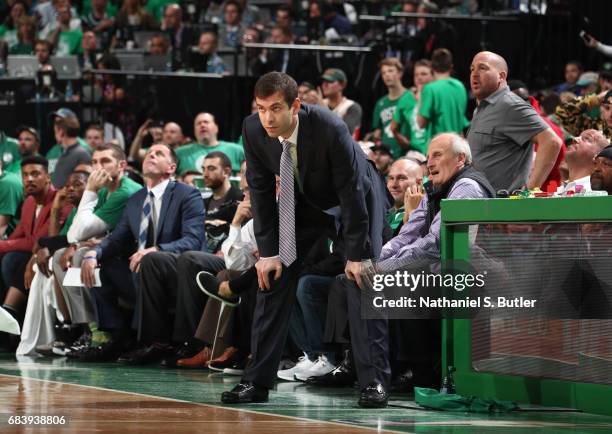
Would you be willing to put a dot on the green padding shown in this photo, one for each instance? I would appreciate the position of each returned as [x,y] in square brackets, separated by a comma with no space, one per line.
[431,398]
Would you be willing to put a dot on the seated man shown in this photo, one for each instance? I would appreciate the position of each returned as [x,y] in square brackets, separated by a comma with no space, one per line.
[163,218]
[34,223]
[29,144]
[579,158]
[451,176]
[403,182]
[601,178]
[38,326]
[221,206]
[105,198]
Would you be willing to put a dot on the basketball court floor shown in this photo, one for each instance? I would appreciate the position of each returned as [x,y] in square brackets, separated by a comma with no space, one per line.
[111,398]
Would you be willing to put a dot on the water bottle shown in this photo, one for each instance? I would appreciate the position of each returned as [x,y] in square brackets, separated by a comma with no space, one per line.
[69,91]
[448,384]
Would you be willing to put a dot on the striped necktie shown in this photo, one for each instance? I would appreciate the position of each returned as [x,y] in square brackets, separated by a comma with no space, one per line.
[147,207]
[286,208]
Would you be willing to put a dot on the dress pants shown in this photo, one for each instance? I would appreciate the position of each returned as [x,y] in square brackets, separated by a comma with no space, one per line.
[13,269]
[78,298]
[164,277]
[117,282]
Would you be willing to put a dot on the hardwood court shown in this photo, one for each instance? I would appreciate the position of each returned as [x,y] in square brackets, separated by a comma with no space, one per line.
[109,398]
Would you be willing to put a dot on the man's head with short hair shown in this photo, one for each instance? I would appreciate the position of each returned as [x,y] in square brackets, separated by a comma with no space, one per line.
[573,69]
[207,44]
[601,178]
[42,50]
[110,158]
[382,157]
[422,73]
[283,16]
[488,73]
[173,135]
[605,80]
[216,169]
[173,16]
[188,177]
[75,186]
[94,136]
[442,60]
[583,148]
[391,71]
[90,41]
[158,45]
[35,176]
[65,125]
[205,128]
[232,12]
[160,162]
[29,141]
[447,153]
[276,96]
[281,35]
[402,174]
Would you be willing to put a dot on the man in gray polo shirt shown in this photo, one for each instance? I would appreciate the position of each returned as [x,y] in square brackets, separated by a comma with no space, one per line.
[504,128]
[66,131]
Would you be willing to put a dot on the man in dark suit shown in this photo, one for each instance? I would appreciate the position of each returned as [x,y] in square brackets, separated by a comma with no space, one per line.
[164,217]
[325,179]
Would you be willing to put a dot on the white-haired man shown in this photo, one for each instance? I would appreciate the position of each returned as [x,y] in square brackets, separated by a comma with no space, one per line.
[451,176]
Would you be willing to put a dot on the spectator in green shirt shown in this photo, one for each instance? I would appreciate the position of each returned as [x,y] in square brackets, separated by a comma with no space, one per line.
[391,71]
[9,152]
[404,182]
[11,197]
[444,100]
[405,116]
[65,38]
[26,35]
[29,144]
[206,129]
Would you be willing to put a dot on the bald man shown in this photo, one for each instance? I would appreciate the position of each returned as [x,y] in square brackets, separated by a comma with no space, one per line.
[504,128]
[173,135]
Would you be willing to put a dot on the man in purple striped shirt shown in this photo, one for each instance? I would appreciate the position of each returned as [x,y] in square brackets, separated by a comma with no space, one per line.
[451,176]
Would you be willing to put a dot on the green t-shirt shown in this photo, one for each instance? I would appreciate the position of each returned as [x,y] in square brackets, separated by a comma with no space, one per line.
[69,43]
[110,206]
[111,8]
[192,156]
[156,7]
[406,117]
[22,49]
[443,103]
[55,152]
[68,222]
[9,36]
[9,153]
[11,197]
[384,110]
[395,217]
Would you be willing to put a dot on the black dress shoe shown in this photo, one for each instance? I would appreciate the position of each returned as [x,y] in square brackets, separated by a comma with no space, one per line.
[145,355]
[209,284]
[189,349]
[342,375]
[106,352]
[373,395]
[244,393]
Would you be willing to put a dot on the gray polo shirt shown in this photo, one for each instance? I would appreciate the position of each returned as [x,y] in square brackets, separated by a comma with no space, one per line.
[500,137]
[71,157]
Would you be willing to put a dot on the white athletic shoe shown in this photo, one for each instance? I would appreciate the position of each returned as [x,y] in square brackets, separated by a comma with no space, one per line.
[321,367]
[303,364]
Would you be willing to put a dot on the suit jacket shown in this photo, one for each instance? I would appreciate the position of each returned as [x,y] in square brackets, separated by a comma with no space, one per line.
[30,228]
[180,227]
[333,172]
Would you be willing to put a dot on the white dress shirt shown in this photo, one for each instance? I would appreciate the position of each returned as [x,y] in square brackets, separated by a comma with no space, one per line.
[239,246]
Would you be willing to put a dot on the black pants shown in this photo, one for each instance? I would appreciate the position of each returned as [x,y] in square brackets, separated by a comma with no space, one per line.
[164,278]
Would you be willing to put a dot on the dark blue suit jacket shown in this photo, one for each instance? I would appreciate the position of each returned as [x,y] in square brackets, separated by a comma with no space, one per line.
[334,171]
[180,227]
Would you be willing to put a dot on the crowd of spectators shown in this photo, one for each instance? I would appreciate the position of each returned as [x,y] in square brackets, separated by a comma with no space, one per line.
[167,272]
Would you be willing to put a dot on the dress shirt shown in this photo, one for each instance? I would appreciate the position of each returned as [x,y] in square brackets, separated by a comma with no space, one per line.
[239,246]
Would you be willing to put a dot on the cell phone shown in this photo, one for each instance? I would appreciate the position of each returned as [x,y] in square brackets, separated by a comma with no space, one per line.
[585,36]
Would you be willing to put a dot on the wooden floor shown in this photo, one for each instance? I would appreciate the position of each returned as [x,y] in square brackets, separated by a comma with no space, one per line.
[93,410]
[109,398]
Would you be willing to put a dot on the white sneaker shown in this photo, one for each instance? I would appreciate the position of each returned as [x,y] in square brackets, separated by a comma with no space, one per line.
[303,364]
[321,367]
